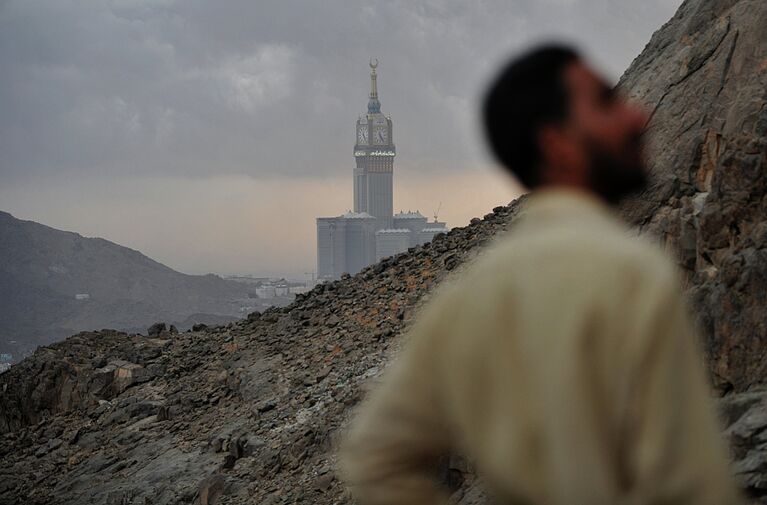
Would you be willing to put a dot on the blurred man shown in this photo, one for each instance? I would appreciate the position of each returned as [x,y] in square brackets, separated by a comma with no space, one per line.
[563,362]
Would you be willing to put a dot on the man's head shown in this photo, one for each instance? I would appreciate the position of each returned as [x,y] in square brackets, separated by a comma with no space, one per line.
[552,121]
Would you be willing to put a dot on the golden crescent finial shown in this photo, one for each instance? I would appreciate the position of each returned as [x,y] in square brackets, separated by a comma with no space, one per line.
[373,65]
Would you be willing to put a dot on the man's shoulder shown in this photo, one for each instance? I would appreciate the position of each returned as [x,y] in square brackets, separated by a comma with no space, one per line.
[597,257]
[625,248]
[638,253]
[591,250]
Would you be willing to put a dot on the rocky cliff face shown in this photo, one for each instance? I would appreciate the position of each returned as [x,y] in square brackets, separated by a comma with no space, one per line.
[250,412]
[704,78]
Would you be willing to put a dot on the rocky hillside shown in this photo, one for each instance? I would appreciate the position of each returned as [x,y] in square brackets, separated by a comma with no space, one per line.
[42,269]
[250,412]
[704,78]
[246,413]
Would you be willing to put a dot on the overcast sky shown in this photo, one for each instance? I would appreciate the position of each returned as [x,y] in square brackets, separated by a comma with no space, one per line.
[209,135]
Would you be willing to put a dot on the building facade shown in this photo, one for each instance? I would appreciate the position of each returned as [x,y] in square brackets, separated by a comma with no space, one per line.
[391,241]
[352,241]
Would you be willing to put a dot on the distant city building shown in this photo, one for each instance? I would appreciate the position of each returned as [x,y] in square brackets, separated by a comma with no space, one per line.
[391,241]
[247,279]
[428,234]
[298,290]
[267,291]
[345,243]
[269,288]
[5,362]
[350,242]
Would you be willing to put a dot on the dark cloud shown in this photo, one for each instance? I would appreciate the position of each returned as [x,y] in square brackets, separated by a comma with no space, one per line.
[268,89]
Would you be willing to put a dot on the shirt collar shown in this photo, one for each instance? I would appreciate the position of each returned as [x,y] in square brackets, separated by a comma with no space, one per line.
[564,203]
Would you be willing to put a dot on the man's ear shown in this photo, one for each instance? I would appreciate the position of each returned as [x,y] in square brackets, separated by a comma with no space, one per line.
[555,148]
[550,144]
[561,159]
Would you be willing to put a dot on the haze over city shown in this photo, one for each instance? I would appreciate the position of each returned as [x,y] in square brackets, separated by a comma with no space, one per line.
[210,135]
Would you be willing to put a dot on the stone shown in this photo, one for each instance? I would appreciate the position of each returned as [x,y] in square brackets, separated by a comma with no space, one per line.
[250,445]
[210,490]
[156,329]
[324,372]
[229,461]
[266,406]
[163,413]
[324,482]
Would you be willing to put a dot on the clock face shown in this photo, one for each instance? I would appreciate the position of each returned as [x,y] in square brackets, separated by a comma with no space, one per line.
[362,135]
[381,135]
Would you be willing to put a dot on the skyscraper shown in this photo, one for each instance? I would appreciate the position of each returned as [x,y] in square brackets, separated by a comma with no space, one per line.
[374,153]
[349,242]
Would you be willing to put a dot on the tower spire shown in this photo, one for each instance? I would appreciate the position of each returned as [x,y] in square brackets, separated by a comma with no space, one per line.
[373,104]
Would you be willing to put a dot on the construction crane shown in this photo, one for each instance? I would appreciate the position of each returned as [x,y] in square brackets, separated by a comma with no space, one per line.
[436,212]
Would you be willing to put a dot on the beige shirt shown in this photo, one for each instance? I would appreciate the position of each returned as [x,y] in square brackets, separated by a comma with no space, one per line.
[563,363]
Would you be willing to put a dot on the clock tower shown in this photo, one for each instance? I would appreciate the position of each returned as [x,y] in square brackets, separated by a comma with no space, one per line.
[350,242]
[374,152]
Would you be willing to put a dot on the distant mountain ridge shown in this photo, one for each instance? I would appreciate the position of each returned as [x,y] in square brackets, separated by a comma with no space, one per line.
[43,272]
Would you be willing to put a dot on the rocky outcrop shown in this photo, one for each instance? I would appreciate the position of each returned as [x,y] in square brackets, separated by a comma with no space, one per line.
[703,76]
[746,418]
[250,412]
[77,374]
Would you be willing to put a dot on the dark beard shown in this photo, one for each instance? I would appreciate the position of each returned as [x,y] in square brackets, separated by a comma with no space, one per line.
[614,179]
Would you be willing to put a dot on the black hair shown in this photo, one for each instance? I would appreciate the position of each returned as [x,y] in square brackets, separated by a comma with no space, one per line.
[529,93]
